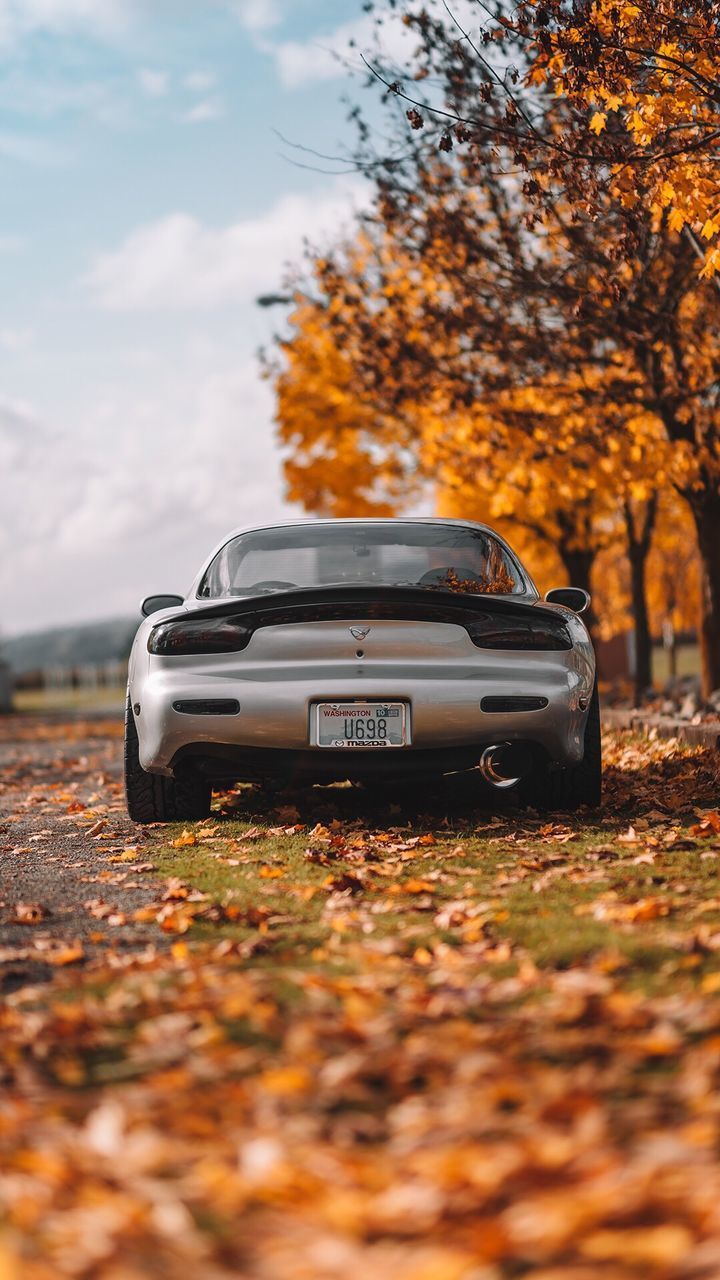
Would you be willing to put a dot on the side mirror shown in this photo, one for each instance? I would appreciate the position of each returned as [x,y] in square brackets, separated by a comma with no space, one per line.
[153,604]
[570,597]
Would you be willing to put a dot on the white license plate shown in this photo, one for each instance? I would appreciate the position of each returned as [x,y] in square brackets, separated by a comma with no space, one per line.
[357,725]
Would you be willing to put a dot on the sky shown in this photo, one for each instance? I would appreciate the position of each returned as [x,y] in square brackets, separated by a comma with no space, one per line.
[146,200]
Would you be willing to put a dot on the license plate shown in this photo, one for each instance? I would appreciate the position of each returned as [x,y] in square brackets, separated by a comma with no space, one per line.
[357,725]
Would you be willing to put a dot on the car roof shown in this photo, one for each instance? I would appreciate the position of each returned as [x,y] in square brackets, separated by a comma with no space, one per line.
[300,520]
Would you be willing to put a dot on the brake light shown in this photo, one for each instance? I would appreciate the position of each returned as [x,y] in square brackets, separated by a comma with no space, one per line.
[499,632]
[200,635]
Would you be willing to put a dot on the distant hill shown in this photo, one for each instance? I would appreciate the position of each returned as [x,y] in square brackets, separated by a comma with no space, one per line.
[90,643]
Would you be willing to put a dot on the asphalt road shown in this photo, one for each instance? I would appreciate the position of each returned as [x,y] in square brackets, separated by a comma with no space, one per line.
[73,868]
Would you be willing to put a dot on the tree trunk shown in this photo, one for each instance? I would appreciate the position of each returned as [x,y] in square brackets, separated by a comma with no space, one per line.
[577,550]
[706,514]
[641,623]
[638,539]
[578,565]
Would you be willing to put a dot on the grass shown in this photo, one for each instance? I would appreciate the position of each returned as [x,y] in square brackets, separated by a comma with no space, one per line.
[688,663]
[558,893]
[110,698]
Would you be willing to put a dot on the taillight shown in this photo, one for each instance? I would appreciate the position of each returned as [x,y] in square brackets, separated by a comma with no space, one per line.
[500,632]
[200,635]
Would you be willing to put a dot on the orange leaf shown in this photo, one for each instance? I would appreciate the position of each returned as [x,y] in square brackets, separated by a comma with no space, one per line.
[30,913]
[708,826]
[285,1081]
[185,840]
[417,886]
[67,955]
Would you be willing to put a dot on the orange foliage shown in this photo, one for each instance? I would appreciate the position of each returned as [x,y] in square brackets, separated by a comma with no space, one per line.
[644,78]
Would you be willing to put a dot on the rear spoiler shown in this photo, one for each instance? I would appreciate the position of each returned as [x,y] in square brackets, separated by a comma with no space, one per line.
[317,604]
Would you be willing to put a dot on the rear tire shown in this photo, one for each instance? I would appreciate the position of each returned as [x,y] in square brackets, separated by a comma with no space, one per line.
[151,798]
[578,785]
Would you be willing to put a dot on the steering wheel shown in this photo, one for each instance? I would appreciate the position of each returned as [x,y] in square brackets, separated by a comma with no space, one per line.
[436,577]
[271,584]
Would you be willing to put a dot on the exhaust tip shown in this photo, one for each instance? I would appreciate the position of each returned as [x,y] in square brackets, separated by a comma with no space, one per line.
[503,765]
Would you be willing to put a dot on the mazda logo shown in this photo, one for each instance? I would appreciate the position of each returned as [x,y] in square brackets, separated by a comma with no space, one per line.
[359,633]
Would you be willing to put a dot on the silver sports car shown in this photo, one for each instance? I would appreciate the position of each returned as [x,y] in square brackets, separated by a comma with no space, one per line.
[369,650]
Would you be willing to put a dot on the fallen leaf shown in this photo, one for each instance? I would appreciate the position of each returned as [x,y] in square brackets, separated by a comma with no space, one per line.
[70,954]
[186,840]
[30,913]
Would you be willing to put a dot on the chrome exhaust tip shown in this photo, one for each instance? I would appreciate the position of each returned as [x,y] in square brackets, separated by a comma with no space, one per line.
[496,764]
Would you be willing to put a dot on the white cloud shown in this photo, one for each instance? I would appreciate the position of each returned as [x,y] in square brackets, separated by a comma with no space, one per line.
[106,18]
[132,495]
[33,151]
[199,81]
[198,457]
[327,56]
[18,426]
[177,262]
[16,340]
[24,443]
[21,17]
[205,111]
[12,244]
[60,92]
[154,84]
[257,14]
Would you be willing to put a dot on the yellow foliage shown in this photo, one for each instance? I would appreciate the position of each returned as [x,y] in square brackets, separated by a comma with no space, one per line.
[663,90]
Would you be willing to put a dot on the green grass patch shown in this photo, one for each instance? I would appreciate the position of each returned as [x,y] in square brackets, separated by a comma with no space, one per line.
[505,880]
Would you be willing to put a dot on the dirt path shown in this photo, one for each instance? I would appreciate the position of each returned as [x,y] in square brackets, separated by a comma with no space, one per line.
[72,866]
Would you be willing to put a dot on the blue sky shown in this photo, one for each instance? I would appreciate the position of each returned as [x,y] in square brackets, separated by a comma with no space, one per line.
[145,202]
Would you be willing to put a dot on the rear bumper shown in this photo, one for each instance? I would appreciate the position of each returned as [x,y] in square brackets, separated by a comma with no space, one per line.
[224,763]
[270,734]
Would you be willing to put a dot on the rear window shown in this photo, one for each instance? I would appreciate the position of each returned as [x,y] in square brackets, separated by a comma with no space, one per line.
[432,556]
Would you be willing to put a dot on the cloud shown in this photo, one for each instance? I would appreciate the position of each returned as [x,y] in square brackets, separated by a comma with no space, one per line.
[24,444]
[199,81]
[203,112]
[327,56]
[22,17]
[200,457]
[12,244]
[256,15]
[16,340]
[34,151]
[18,425]
[131,496]
[154,84]
[179,263]
[59,91]
[108,18]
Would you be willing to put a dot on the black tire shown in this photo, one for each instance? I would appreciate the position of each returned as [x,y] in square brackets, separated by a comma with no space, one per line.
[572,788]
[151,798]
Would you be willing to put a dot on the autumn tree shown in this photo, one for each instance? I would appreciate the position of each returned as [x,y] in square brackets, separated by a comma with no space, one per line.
[435,329]
[342,455]
[484,284]
[533,265]
[553,490]
[644,78]
[640,79]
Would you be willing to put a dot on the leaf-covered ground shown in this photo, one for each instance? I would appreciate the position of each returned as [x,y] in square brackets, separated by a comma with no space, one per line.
[329,1034]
